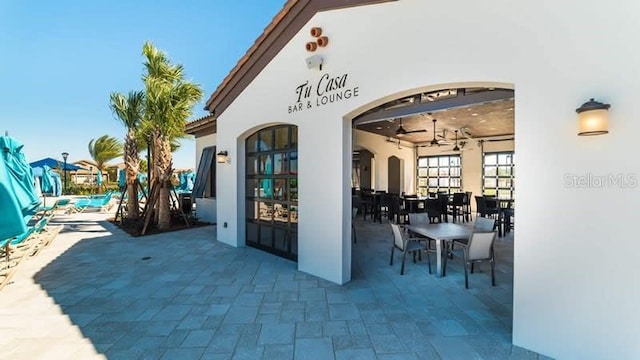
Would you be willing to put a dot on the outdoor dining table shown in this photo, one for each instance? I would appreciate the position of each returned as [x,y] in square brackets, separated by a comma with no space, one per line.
[441,232]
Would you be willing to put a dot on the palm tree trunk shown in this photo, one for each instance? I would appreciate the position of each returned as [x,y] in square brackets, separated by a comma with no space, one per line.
[163,166]
[132,165]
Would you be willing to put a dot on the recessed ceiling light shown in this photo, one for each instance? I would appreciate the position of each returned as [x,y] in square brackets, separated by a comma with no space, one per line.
[474,114]
[379,128]
[483,121]
[492,128]
[453,118]
[510,109]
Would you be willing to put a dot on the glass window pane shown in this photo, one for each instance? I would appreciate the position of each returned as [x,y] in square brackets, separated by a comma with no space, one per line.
[433,171]
[266,188]
[454,182]
[265,211]
[503,159]
[490,159]
[454,161]
[293,163]
[281,239]
[433,182]
[423,162]
[422,182]
[490,182]
[266,164]
[280,189]
[490,171]
[422,172]
[443,161]
[443,182]
[282,138]
[252,165]
[443,171]
[504,183]
[252,210]
[280,213]
[455,171]
[252,142]
[504,194]
[280,164]
[293,214]
[294,136]
[293,190]
[266,236]
[252,232]
[252,188]
[433,161]
[490,192]
[504,171]
[266,140]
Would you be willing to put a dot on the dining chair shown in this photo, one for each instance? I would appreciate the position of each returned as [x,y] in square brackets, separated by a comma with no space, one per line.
[481,224]
[478,248]
[405,244]
[420,219]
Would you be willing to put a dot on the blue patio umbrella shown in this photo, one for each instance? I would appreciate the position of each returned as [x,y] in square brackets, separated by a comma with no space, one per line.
[122,178]
[18,198]
[190,180]
[99,179]
[53,163]
[267,184]
[57,182]
[47,184]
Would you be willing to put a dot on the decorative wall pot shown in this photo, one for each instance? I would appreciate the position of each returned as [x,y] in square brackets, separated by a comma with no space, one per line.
[323,41]
[316,32]
[311,46]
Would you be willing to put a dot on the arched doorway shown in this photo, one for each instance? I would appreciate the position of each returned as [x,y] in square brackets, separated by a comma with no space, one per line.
[394,178]
[272,190]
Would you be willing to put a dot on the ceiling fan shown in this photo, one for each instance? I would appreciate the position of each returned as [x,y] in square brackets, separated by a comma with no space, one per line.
[435,141]
[401,131]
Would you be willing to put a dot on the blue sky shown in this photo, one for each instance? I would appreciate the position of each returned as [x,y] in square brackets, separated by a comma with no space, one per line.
[60,60]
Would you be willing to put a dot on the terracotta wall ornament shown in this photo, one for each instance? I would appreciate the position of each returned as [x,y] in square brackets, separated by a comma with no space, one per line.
[319,40]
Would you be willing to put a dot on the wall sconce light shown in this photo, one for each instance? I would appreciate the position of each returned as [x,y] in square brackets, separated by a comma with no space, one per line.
[314,62]
[222,157]
[593,118]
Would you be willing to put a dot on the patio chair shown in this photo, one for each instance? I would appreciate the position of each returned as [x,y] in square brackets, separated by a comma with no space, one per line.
[60,204]
[479,247]
[404,244]
[420,219]
[18,241]
[100,204]
[481,224]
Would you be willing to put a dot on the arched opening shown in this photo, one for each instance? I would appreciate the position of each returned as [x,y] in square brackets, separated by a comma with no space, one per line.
[271,158]
[395,172]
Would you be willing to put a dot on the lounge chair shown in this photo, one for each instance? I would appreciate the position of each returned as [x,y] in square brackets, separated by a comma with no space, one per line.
[60,204]
[100,204]
[18,241]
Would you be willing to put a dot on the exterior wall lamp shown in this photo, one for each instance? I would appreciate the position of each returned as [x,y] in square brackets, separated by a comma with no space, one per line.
[222,157]
[593,118]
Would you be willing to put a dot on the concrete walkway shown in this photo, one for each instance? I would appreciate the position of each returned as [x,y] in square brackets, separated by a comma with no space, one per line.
[96,292]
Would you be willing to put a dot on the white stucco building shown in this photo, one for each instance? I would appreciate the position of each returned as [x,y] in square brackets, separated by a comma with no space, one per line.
[575,277]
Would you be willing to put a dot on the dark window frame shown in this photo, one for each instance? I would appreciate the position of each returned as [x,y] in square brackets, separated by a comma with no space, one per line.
[510,174]
[424,190]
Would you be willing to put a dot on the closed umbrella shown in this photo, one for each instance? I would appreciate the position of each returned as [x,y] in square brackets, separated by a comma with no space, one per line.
[18,198]
[99,179]
[122,179]
[47,183]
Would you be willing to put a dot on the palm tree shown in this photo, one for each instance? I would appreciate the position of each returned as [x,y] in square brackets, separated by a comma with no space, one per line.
[103,149]
[129,110]
[169,103]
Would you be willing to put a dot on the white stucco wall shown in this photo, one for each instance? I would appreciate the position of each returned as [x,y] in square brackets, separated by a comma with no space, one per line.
[575,283]
[382,150]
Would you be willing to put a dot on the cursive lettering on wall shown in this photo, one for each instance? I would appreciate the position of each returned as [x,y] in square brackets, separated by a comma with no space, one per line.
[329,89]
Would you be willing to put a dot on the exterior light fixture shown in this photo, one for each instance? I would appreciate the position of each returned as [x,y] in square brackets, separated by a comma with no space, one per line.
[593,118]
[222,157]
[65,156]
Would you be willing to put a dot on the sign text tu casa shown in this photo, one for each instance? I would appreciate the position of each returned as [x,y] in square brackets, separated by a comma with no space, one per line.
[327,90]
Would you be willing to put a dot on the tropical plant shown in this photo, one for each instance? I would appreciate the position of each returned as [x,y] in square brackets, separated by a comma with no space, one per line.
[169,103]
[129,110]
[104,149]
